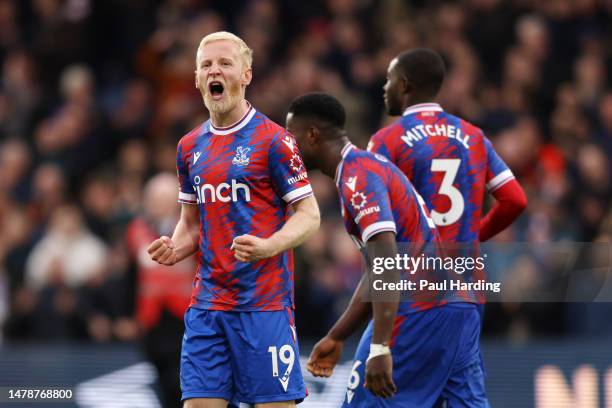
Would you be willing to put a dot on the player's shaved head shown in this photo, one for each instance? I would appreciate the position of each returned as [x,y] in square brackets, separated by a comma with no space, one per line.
[316,120]
[414,76]
[424,68]
[319,107]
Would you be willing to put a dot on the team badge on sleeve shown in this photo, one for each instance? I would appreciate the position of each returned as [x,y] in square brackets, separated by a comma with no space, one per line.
[296,163]
[358,200]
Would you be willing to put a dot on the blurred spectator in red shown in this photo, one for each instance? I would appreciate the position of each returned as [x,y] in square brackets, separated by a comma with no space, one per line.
[163,292]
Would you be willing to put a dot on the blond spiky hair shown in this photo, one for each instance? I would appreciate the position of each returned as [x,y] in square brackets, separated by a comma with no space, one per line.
[245,52]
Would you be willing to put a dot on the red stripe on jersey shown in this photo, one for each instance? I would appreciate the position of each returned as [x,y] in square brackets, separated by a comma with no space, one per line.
[226,294]
[397,325]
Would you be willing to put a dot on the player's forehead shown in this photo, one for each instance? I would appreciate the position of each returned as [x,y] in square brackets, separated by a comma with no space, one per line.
[297,121]
[218,49]
[292,123]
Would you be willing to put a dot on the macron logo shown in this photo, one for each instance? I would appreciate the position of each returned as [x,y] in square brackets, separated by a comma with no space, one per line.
[196,156]
[352,181]
[289,142]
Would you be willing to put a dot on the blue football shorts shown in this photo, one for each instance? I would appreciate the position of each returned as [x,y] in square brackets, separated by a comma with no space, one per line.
[436,361]
[249,357]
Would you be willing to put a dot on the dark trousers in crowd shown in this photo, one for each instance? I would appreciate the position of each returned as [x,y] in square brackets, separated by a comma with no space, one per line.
[162,347]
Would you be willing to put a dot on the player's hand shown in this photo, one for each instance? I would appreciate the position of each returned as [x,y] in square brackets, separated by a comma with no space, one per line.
[379,376]
[248,248]
[162,251]
[324,357]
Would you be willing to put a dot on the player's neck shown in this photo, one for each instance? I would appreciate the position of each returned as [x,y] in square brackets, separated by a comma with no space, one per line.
[416,101]
[331,156]
[229,118]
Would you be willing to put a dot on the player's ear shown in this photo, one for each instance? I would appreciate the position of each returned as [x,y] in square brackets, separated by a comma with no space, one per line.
[313,135]
[197,80]
[408,86]
[247,76]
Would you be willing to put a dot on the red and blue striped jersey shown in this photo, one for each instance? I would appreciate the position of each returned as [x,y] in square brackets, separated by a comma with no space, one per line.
[375,196]
[243,179]
[450,163]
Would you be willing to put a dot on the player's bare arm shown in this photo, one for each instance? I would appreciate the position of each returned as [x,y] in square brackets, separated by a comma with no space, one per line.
[184,241]
[379,366]
[327,352]
[299,227]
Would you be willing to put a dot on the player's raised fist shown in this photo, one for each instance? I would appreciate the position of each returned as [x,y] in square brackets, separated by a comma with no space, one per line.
[248,248]
[324,357]
[162,251]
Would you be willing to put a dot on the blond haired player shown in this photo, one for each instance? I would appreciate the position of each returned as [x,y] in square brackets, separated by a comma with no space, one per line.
[240,175]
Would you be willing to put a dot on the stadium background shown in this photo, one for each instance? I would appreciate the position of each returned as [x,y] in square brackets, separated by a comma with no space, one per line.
[94,96]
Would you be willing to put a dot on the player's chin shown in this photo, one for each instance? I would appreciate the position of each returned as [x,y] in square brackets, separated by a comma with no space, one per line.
[392,108]
[216,106]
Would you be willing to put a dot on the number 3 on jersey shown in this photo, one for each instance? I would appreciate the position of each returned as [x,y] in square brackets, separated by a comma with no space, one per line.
[450,167]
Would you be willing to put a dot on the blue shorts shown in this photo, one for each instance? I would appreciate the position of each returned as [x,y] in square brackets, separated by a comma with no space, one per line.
[436,361]
[249,357]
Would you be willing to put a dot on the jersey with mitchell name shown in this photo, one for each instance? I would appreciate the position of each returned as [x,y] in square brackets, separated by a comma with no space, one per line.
[243,179]
[450,163]
[375,197]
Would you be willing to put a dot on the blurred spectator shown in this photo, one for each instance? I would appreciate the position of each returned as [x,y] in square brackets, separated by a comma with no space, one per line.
[15,165]
[49,191]
[67,254]
[20,88]
[594,189]
[132,117]
[603,136]
[99,196]
[162,293]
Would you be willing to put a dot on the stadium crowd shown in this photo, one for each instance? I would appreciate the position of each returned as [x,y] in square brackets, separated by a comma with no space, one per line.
[95,95]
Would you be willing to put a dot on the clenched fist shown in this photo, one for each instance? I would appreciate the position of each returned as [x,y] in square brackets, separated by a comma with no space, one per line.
[248,248]
[162,251]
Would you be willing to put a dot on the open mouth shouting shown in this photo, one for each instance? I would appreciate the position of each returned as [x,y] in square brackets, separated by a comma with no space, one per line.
[215,88]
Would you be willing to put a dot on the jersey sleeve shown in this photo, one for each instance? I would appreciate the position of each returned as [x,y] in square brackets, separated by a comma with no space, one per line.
[287,171]
[186,191]
[366,200]
[498,172]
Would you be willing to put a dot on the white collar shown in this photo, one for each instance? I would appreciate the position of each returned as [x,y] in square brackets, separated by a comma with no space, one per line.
[236,126]
[345,150]
[423,107]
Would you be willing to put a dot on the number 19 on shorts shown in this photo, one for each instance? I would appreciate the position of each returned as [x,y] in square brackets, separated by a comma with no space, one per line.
[286,355]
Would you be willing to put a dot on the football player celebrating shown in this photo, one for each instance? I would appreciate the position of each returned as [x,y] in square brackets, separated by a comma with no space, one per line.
[240,174]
